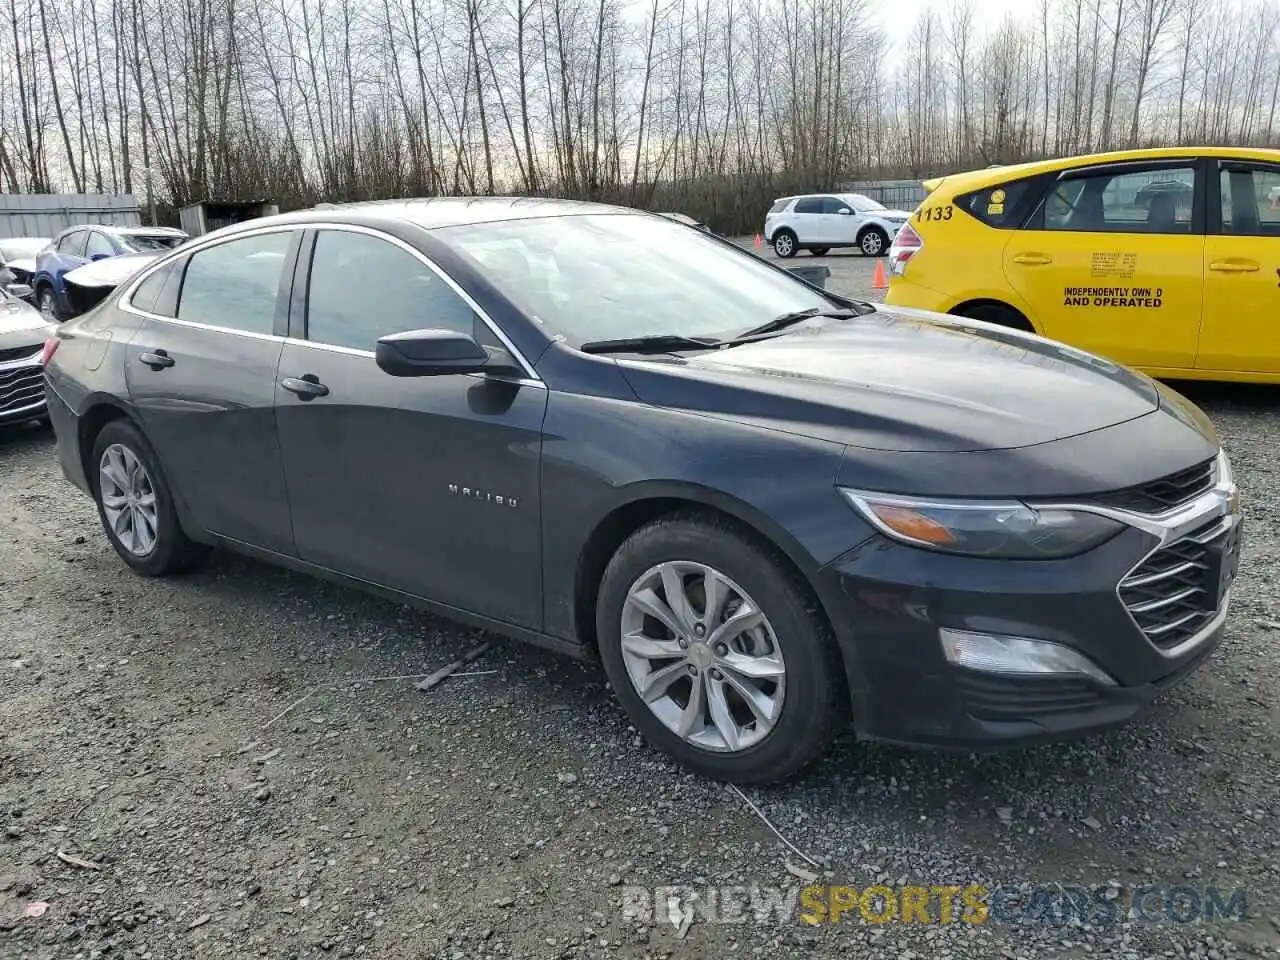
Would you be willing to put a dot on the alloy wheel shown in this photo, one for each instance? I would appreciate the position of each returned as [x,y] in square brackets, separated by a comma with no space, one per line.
[872,243]
[702,656]
[47,308]
[128,499]
[783,245]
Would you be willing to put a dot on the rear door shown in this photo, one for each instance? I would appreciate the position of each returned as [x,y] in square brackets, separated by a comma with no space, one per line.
[1112,261]
[428,485]
[202,375]
[807,220]
[1240,331]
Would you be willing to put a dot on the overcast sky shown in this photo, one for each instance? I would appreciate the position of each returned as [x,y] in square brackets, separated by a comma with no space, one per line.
[899,16]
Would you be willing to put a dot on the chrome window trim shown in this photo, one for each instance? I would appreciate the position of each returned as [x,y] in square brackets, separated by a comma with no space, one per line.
[125,298]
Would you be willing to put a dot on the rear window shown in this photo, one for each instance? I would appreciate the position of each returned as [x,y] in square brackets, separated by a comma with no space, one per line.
[1002,205]
[809,205]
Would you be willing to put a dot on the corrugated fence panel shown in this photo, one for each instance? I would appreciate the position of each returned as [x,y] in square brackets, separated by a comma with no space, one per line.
[897,194]
[44,214]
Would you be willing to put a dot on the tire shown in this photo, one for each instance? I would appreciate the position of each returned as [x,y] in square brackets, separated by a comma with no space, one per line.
[819,251]
[171,550]
[997,313]
[807,707]
[873,242]
[47,304]
[785,244]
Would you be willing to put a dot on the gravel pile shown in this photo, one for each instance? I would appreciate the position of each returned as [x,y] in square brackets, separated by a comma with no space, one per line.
[219,766]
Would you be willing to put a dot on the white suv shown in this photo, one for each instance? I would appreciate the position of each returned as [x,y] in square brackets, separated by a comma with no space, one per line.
[823,221]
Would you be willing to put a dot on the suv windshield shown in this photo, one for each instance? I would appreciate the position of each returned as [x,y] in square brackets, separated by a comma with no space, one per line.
[612,276]
[865,204]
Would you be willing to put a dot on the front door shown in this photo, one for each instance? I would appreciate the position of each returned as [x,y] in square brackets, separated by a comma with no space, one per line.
[428,485]
[840,222]
[202,375]
[1112,262]
[1240,331]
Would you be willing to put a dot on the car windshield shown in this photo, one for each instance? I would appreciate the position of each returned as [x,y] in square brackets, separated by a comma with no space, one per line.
[21,247]
[146,243]
[611,276]
[865,204]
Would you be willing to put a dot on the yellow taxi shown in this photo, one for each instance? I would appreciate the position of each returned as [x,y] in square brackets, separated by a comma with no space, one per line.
[1166,259]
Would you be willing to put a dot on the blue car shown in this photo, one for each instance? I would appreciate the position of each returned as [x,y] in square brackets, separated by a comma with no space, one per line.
[79,245]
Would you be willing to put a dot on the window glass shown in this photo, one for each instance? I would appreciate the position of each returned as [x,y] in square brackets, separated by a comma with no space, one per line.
[363,288]
[832,205]
[236,284]
[1000,205]
[98,243]
[779,204]
[608,276]
[865,204]
[1251,201]
[144,297]
[72,244]
[1154,201]
[809,205]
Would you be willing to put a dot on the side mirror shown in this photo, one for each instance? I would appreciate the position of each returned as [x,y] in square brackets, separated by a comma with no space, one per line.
[430,353]
[99,256]
[845,212]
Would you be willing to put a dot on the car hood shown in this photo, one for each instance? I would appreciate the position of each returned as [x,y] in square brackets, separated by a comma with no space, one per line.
[109,272]
[27,264]
[903,380]
[892,214]
[21,324]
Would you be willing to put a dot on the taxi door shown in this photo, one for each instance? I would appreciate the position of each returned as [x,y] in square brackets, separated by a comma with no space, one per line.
[1112,262]
[1240,332]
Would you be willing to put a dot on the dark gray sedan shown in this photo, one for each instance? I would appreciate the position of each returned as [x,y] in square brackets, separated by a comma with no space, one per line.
[772,511]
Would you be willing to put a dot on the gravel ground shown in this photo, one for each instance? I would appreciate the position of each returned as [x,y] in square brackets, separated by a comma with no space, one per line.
[214,745]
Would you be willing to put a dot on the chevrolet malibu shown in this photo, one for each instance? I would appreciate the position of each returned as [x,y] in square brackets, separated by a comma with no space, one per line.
[773,513]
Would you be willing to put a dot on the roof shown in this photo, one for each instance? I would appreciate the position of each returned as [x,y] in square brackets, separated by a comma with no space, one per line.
[125,231]
[992,175]
[431,212]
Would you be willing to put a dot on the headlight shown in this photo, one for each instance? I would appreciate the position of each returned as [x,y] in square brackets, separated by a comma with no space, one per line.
[1004,529]
[1222,469]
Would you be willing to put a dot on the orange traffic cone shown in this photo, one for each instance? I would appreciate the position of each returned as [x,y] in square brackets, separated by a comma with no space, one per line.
[759,241]
[879,282]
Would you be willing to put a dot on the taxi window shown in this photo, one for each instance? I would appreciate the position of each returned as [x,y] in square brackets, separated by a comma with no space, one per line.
[1251,201]
[1002,205]
[1151,201]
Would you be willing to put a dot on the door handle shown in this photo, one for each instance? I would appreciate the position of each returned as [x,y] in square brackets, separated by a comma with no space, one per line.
[156,359]
[307,386]
[1234,266]
[1033,259]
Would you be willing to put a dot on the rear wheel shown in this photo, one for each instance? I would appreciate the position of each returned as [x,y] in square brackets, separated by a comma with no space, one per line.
[136,506]
[998,313]
[716,652]
[784,244]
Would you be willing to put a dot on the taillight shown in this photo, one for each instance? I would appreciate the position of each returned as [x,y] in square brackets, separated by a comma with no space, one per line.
[50,347]
[905,246]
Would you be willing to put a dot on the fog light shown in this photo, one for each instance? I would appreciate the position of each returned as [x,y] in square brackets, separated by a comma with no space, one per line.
[1016,656]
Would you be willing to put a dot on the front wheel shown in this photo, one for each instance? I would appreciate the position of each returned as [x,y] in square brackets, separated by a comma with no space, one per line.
[784,244]
[873,242]
[136,506]
[714,648]
[47,304]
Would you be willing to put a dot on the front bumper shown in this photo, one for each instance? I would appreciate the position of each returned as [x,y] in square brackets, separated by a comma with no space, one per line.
[22,389]
[889,602]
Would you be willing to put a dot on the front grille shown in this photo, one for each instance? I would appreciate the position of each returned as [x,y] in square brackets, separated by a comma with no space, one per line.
[20,387]
[1173,593]
[1163,494]
[18,353]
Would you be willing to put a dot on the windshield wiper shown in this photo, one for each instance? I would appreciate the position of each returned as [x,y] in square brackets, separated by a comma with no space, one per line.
[660,343]
[855,309]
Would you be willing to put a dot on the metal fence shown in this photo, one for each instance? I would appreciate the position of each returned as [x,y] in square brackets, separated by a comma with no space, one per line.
[895,194]
[45,214]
